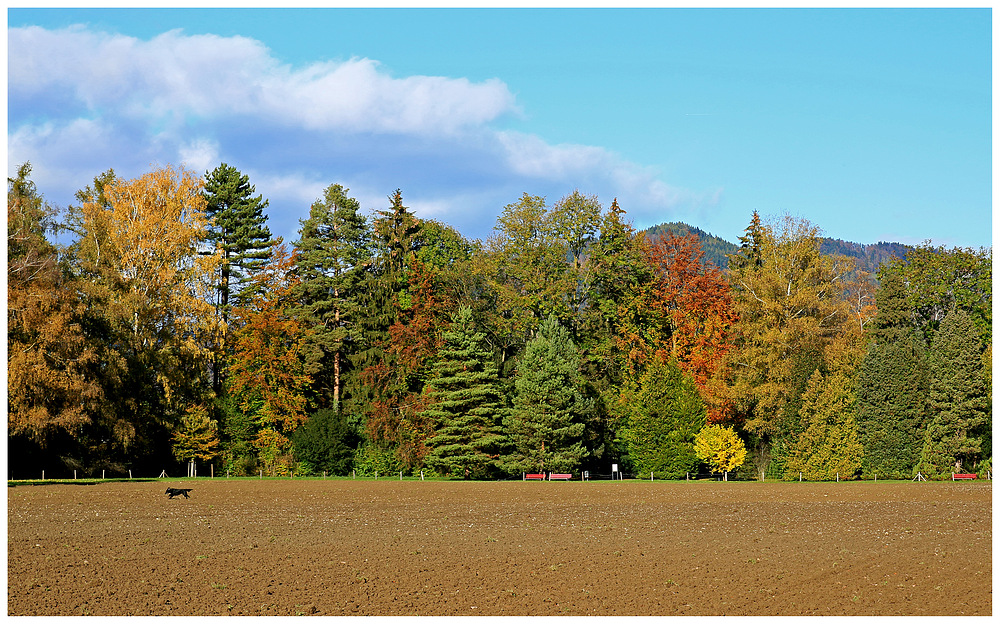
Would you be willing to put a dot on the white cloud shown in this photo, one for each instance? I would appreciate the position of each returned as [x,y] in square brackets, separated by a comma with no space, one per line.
[200,155]
[81,101]
[174,75]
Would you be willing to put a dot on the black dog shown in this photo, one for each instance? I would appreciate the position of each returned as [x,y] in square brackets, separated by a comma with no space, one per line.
[178,492]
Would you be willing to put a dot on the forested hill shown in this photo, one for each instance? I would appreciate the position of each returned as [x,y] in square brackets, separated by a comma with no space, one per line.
[871,256]
[716,249]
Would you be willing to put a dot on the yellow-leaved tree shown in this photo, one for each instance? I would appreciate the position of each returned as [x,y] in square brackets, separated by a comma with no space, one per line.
[148,277]
[720,448]
[196,437]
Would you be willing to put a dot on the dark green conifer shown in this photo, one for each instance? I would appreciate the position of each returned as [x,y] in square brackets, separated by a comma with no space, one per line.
[959,398]
[333,254]
[892,389]
[546,424]
[467,406]
[238,228]
[666,414]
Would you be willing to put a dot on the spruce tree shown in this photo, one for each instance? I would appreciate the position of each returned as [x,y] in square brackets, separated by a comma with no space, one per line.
[467,407]
[333,252]
[959,398]
[667,413]
[239,228]
[395,242]
[380,387]
[546,423]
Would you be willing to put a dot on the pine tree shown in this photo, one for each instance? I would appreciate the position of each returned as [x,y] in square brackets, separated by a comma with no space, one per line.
[829,445]
[959,400]
[667,413]
[545,425]
[333,253]
[239,228]
[466,404]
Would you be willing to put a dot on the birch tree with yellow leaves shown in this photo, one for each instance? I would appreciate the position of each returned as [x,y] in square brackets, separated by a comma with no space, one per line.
[148,277]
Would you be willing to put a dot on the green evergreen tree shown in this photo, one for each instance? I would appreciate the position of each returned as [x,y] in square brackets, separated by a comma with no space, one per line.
[396,239]
[333,253]
[892,387]
[894,320]
[545,426]
[829,444]
[239,228]
[959,398]
[667,413]
[892,408]
[618,269]
[466,404]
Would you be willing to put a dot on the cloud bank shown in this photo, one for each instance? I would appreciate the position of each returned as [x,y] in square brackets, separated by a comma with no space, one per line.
[82,101]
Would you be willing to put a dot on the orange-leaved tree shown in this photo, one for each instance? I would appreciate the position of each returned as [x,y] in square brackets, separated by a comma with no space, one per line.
[49,390]
[266,372]
[399,379]
[693,297]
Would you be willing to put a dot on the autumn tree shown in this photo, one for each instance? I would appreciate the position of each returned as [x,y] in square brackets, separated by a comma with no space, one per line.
[397,416]
[149,287]
[693,298]
[665,415]
[196,436]
[546,422]
[466,407]
[50,388]
[788,299]
[333,252]
[720,447]
[266,374]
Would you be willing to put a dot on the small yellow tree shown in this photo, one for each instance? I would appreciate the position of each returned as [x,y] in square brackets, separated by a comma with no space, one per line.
[196,437]
[720,448]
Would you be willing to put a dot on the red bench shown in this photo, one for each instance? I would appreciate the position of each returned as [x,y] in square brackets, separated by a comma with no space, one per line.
[537,477]
[962,476]
[560,476]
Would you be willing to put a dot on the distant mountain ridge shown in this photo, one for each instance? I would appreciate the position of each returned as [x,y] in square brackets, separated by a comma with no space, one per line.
[716,249]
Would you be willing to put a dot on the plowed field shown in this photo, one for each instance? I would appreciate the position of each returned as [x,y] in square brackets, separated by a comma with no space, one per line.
[334,547]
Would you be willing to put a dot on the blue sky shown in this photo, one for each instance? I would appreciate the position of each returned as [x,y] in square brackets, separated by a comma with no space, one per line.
[873,124]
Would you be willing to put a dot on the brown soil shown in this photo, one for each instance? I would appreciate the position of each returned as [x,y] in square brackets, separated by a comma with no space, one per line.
[326,547]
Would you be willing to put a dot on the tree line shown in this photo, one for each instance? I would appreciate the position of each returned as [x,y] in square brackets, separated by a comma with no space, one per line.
[156,321]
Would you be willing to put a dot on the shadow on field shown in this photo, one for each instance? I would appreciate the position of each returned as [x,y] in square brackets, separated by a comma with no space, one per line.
[13,484]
